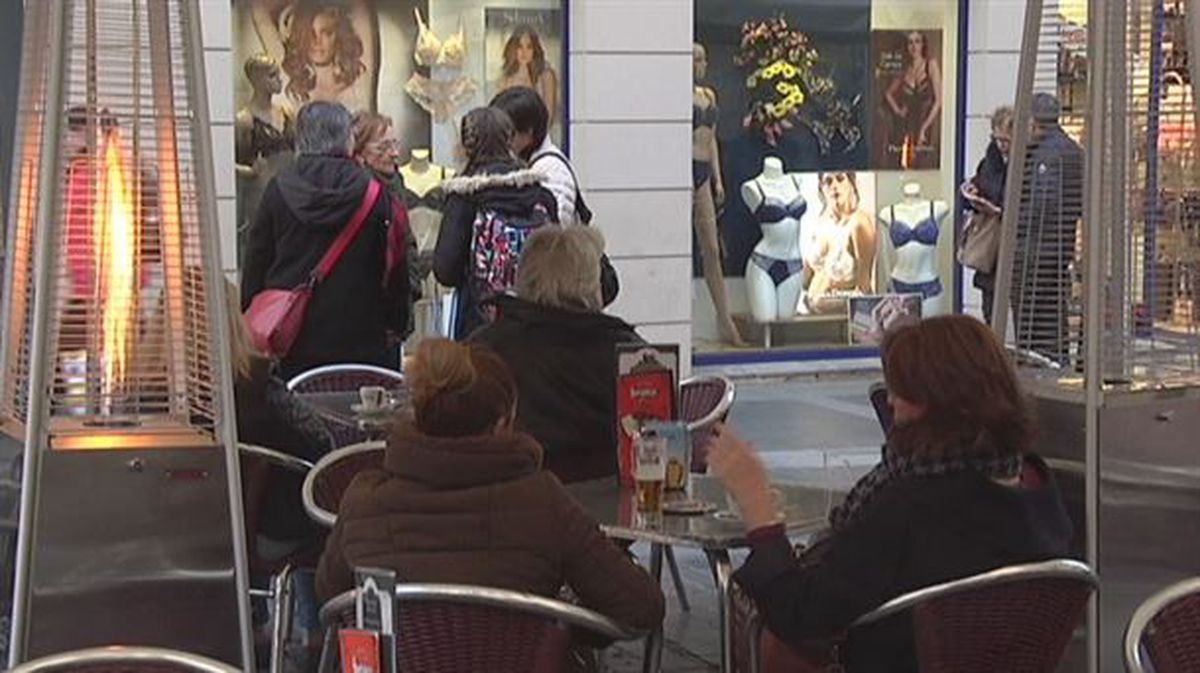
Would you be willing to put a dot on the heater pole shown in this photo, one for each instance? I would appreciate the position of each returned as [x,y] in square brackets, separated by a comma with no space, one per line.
[43,355]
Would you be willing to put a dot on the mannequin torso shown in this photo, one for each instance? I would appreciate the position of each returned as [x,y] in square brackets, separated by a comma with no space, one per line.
[774,274]
[913,230]
[423,196]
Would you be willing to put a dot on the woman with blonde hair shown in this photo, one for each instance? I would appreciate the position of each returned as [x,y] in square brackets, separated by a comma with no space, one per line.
[562,351]
[461,498]
[958,492]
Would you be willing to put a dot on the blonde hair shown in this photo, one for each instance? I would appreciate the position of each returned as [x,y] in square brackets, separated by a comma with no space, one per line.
[241,349]
[1002,118]
[459,389]
[560,267]
[258,65]
[369,127]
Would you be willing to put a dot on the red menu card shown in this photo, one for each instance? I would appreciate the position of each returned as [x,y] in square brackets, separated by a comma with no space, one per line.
[646,380]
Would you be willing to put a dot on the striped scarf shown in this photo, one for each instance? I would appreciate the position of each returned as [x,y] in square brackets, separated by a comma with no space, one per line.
[981,459]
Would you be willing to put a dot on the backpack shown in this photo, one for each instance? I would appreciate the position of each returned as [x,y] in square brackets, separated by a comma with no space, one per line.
[496,246]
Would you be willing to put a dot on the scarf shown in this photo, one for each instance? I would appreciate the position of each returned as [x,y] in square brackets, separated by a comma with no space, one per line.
[953,454]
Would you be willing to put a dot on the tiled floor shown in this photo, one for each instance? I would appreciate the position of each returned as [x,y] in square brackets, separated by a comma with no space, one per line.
[809,428]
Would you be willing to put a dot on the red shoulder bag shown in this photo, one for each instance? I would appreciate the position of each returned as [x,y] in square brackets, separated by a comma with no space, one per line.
[275,316]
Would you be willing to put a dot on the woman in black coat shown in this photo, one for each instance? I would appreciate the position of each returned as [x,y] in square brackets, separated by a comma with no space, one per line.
[957,493]
[494,183]
[984,193]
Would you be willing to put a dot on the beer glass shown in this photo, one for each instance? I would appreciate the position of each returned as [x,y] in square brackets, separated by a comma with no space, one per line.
[650,470]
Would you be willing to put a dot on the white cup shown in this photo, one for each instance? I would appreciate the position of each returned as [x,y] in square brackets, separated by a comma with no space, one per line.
[372,397]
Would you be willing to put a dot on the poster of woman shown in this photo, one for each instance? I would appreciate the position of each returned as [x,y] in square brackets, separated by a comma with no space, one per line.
[907,129]
[525,48]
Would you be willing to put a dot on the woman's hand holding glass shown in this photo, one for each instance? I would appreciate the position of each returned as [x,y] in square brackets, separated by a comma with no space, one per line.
[737,466]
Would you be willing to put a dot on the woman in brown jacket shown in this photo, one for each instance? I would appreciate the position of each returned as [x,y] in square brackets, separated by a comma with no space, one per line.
[462,498]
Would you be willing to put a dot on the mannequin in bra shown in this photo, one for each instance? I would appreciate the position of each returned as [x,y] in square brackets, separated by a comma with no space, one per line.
[913,227]
[708,192]
[263,136]
[840,249]
[775,272]
[439,85]
[423,196]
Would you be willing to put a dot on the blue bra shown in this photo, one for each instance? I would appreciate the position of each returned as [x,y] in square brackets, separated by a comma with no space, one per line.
[774,210]
[925,232]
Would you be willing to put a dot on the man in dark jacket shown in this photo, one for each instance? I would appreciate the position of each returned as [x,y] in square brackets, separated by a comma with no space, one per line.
[1051,205]
[302,211]
[562,351]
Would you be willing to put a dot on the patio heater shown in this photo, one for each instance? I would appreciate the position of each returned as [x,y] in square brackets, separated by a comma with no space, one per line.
[115,390]
[1103,308]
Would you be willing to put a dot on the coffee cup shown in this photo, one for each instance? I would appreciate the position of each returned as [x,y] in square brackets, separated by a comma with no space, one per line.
[372,397]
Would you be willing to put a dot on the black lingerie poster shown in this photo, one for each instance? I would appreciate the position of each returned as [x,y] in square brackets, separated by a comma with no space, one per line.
[906,131]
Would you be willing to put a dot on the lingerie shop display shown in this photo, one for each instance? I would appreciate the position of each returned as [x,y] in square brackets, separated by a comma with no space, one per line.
[425,200]
[913,230]
[775,272]
[787,85]
[439,85]
[264,135]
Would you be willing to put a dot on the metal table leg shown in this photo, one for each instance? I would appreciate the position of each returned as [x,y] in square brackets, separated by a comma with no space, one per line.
[652,658]
[722,570]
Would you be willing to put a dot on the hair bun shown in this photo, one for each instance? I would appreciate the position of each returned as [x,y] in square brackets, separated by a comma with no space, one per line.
[439,367]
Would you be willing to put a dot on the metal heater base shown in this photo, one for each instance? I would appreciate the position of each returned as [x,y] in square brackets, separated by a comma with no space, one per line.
[134,547]
[1149,496]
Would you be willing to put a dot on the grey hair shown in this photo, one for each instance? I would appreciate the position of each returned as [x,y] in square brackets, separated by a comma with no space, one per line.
[560,267]
[323,127]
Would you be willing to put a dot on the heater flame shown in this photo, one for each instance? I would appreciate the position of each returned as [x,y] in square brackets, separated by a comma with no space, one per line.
[116,229]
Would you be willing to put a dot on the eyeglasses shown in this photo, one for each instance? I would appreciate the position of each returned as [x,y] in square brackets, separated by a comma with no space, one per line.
[828,180]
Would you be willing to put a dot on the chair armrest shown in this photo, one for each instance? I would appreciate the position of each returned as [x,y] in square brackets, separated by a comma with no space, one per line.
[276,458]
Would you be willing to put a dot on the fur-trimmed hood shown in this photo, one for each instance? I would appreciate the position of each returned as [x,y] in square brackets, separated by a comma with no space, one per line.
[472,184]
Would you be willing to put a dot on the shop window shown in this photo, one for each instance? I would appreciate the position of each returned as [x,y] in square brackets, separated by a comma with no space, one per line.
[421,64]
[824,140]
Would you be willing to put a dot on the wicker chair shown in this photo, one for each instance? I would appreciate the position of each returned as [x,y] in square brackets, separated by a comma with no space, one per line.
[1166,631]
[257,463]
[1016,619]
[329,478]
[704,401]
[454,628]
[344,378]
[124,659]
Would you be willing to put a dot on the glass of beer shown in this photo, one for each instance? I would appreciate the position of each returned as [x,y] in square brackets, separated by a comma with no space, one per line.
[650,470]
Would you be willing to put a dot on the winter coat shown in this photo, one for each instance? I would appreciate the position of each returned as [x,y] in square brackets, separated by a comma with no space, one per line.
[565,364]
[302,211]
[269,415]
[506,188]
[990,176]
[480,510]
[916,532]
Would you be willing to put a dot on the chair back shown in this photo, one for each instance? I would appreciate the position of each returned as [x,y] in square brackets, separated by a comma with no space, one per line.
[1016,619]
[1165,630]
[454,628]
[344,378]
[704,401]
[125,659]
[259,466]
[326,483]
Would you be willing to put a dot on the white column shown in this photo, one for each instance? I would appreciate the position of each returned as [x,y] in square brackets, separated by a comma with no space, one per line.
[631,116]
[217,28]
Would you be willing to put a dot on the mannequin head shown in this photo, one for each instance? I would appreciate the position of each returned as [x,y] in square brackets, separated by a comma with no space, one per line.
[839,193]
[699,62]
[263,73]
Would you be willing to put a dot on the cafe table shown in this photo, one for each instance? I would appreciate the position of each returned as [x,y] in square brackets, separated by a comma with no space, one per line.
[803,510]
[341,408]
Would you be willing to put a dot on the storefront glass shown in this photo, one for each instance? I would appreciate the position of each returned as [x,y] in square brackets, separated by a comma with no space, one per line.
[824,143]
[420,63]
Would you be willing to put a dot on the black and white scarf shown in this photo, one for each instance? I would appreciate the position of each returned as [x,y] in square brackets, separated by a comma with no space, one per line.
[977,455]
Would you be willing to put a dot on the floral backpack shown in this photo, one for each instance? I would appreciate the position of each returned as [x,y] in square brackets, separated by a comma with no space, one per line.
[497,240]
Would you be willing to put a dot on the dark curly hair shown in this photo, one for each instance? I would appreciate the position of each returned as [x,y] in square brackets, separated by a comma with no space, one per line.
[349,49]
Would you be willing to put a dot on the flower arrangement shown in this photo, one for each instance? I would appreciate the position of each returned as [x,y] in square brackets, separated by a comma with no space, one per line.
[786,88]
